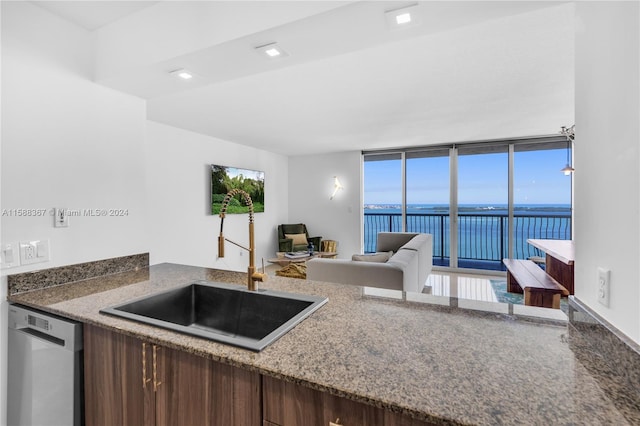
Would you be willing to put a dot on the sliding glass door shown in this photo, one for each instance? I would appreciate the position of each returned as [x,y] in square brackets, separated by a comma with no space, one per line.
[480,201]
[427,199]
[383,196]
[483,202]
[542,198]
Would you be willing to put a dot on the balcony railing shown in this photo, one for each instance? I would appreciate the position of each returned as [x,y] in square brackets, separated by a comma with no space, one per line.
[481,237]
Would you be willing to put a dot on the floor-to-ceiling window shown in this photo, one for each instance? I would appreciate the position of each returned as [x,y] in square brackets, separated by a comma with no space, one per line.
[483,203]
[541,197]
[383,196]
[480,201]
[427,198]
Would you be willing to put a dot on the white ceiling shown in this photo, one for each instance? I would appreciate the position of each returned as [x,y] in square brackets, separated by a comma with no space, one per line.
[92,15]
[470,71]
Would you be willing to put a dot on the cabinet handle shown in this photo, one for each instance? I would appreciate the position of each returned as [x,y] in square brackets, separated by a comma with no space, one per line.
[336,423]
[144,366]
[156,383]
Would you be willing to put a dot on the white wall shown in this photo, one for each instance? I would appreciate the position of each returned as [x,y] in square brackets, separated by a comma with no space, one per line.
[66,142]
[607,183]
[184,231]
[310,187]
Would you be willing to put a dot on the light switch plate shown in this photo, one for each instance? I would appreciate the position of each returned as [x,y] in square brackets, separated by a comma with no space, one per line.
[9,255]
[60,218]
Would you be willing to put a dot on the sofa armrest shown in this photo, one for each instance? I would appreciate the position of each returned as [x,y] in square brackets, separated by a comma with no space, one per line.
[285,244]
[344,271]
[392,241]
[423,245]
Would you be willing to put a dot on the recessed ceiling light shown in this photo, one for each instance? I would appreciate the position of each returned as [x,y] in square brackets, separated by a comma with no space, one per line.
[403,17]
[182,73]
[272,50]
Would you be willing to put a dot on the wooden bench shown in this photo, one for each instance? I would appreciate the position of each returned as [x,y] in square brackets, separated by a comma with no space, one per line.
[539,288]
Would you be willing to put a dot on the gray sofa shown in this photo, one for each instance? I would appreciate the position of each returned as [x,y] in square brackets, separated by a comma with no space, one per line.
[407,268]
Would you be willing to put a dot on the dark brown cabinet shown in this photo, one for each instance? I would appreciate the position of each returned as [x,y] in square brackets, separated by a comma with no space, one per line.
[131,382]
[288,404]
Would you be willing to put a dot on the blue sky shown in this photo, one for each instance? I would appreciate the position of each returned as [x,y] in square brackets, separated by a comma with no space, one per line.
[482,179]
[248,174]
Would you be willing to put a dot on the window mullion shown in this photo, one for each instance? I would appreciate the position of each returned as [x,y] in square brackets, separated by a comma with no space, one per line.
[403,160]
[453,207]
[510,240]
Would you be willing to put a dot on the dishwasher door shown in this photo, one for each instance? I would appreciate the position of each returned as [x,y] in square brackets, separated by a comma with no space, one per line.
[44,385]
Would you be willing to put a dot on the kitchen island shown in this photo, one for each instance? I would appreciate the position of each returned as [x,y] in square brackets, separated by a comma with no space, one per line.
[430,363]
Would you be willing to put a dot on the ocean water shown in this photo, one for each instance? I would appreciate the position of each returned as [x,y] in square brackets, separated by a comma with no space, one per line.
[482,228]
[489,209]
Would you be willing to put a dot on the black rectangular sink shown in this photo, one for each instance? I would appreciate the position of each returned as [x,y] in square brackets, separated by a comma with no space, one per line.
[222,312]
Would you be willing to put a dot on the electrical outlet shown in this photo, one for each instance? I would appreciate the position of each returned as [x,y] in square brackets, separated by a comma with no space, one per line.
[29,251]
[604,286]
[34,251]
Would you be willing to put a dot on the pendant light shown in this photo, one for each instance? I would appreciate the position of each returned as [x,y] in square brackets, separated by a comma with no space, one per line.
[570,135]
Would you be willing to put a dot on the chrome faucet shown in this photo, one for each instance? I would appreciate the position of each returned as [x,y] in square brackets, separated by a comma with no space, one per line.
[252,275]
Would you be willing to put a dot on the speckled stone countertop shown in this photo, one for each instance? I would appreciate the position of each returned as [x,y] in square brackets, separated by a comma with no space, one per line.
[441,364]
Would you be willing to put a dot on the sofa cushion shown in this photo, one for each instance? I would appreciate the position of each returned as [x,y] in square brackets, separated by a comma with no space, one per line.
[402,258]
[298,239]
[380,257]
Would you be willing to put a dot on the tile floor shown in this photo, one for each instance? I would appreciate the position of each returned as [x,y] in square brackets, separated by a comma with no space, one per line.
[463,286]
[470,291]
[450,284]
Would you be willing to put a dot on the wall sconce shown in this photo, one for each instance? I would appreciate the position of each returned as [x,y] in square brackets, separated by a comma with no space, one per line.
[569,133]
[336,186]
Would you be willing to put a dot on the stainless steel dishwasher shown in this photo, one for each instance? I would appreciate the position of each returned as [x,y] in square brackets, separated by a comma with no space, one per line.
[45,369]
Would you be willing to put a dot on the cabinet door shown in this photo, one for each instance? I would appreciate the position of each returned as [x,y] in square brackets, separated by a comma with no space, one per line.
[288,404]
[129,382]
[113,380]
[183,384]
[196,391]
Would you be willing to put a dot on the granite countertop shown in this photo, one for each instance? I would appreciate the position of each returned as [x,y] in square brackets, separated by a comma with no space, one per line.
[445,365]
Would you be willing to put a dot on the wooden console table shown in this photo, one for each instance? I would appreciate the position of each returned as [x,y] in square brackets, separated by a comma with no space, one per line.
[560,255]
[284,261]
[296,267]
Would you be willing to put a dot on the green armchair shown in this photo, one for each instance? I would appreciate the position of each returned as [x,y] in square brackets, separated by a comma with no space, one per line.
[298,230]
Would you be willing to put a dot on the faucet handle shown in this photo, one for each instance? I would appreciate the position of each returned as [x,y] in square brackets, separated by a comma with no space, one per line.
[259,276]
